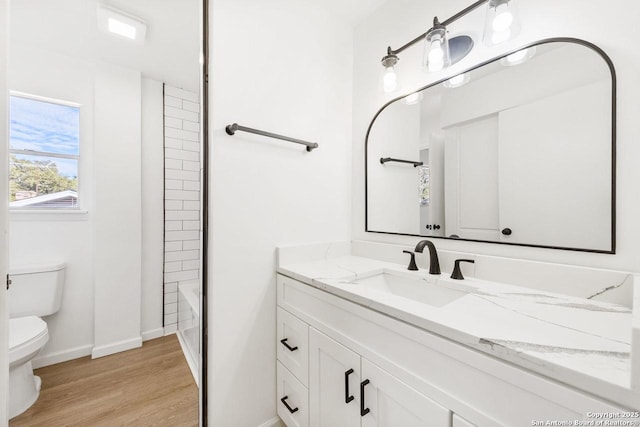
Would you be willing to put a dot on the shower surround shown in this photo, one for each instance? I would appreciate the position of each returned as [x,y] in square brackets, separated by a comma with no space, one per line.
[182,201]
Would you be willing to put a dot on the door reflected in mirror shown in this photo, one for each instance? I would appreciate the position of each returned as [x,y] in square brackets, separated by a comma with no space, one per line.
[519,150]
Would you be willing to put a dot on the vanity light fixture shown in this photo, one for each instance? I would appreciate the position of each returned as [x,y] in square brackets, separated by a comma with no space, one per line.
[518,57]
[457,81]
[502,23]
[436,52]
[389,76]
[121,24]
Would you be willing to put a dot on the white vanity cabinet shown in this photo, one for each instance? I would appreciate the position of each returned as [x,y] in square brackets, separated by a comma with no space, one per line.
[347,390]
[344,388]
[366,369]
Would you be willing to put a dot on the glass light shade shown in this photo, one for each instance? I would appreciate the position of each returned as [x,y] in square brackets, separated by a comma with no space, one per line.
[389,79]
[436,51]
[502,21]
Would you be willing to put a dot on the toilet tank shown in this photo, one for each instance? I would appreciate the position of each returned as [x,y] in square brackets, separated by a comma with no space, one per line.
[35,290]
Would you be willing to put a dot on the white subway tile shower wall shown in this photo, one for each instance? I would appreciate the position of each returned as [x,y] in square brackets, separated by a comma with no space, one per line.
[182,196]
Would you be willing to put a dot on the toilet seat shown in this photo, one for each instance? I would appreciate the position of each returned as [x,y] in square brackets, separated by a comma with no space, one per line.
[26,336]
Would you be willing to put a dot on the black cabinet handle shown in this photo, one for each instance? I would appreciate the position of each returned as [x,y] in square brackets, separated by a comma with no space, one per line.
[284,343]
[284,402]
[506,231]
[363,411]
[347,396]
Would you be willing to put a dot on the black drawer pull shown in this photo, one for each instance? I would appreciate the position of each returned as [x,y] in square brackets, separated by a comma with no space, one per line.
[284,402]
[284,343]
[363,411]
[347,397]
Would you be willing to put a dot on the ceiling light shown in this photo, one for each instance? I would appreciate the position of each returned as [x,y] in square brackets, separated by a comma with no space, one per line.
[501,22]
[122,29]
[121,24]
[457,81]
[518,57]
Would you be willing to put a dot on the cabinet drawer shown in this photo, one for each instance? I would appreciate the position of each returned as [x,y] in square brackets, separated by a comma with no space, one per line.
[293,399]
[293,345]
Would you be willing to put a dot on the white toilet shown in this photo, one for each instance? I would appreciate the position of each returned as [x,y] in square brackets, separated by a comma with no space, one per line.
[34,291]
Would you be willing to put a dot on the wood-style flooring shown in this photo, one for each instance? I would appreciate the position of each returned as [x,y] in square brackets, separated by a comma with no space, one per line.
[148,386]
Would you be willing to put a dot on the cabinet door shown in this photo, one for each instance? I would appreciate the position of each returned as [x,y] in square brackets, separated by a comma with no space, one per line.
[334,381]
[392,403]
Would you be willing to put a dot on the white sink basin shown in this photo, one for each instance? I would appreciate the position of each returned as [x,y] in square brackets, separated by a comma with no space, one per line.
[411,288]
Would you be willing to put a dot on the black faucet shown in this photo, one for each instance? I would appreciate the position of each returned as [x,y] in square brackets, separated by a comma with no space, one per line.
[434,264]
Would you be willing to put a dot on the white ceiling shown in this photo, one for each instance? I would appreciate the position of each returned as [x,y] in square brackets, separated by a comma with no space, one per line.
[353,11]
[170,53]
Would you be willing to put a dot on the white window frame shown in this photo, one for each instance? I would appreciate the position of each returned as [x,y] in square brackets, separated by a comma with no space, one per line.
[23,209]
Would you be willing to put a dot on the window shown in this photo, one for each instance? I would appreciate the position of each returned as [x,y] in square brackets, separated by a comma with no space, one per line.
[44,150]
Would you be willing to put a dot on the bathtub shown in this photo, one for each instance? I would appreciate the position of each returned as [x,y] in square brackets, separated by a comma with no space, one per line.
[189,324]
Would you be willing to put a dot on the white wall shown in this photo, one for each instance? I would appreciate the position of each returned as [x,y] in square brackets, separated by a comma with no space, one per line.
[102,248]
[153,205]
[42,237]
[4,336]
[291,74]
[118,210]
[394,24]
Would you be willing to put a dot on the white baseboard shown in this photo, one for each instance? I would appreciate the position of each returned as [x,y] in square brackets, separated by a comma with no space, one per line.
[172,329]
[152,334]
[117,347]
[193,366]
[273,422]
[61,356]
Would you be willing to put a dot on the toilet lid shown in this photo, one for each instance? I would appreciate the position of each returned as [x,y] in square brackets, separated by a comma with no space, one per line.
[25,329]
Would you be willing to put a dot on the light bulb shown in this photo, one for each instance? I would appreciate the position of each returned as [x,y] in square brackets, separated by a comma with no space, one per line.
[390,80]
[436,56]
[503,19]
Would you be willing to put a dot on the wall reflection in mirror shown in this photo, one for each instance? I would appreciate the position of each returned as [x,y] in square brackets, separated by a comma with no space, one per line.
[519,150]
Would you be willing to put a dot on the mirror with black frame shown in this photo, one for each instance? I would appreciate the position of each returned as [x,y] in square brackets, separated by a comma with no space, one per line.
[519,150]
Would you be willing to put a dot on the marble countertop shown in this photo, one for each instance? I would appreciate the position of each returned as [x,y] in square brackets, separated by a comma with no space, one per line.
[578,341]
